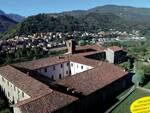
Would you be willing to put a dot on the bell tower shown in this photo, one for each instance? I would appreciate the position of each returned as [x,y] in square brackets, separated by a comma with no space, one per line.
[70,42]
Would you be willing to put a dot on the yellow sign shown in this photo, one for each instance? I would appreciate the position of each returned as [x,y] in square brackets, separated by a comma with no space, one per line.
[141,105]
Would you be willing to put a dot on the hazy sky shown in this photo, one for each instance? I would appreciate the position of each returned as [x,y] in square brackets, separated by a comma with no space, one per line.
[32,7]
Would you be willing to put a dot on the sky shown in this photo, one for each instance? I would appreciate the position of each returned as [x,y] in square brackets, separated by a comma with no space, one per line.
[33,7]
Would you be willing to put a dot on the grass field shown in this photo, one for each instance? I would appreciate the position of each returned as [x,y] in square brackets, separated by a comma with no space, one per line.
[124,106]
[123,93]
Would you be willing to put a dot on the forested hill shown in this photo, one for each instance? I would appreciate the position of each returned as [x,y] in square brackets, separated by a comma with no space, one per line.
[65,23]
[99,18]
[6,23]
[126,12]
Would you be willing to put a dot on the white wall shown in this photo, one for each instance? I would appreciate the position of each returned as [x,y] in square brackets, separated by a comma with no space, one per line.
[78,68]
[109,55]
[56,71]
[68,68]
[16,110]
[12,92]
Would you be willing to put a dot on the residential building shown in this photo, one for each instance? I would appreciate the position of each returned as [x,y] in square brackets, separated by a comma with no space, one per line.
[115,54]
[71,83]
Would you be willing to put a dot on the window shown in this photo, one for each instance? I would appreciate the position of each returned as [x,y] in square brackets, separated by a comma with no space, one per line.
[61,65]
[3,79]
[8,94]
[22,94]
[69,71]
[77,66]
[14,88]
[7,83]
[81,67]
[45,69]
[18,91]
[52,77]
[72,64]
[4,91]
[53,67]
[69,44]
[13,99]
[66,72]
[59,76]
[67,64]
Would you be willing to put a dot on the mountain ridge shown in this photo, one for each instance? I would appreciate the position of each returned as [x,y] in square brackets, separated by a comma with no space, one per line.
[123,18]
[128,12]
[15,17]
[6,23]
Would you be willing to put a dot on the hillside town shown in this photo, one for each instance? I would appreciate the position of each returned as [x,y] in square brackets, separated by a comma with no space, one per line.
[57,39]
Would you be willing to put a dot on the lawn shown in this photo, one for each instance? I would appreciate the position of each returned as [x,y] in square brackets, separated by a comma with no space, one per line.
[123,93]
[124,106]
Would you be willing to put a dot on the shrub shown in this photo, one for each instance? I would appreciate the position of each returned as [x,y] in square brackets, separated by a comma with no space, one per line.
[81,43]
[138,79]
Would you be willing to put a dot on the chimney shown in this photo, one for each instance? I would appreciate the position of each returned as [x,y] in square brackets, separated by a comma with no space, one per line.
[70,42]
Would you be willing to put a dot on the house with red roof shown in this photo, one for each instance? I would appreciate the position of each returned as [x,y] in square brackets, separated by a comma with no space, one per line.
[71,83]
[115,54]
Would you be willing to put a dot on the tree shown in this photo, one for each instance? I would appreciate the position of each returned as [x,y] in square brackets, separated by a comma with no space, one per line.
[81,43]
[126,65]
[138,79]
[6,110]
[18,54]
[147,71]
[4,104]
[139,68]
[8,59]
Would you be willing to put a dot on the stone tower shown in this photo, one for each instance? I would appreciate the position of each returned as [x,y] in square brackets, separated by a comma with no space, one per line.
[70,42]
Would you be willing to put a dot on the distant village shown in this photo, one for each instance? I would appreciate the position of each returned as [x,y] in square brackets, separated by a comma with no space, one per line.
[57,39]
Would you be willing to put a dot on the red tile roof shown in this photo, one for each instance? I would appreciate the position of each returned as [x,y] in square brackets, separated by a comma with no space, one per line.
[46,104]
[43,99]
[85,61]
[94,79]
[44,62]
[29,85]
[115,48]
[90,47]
